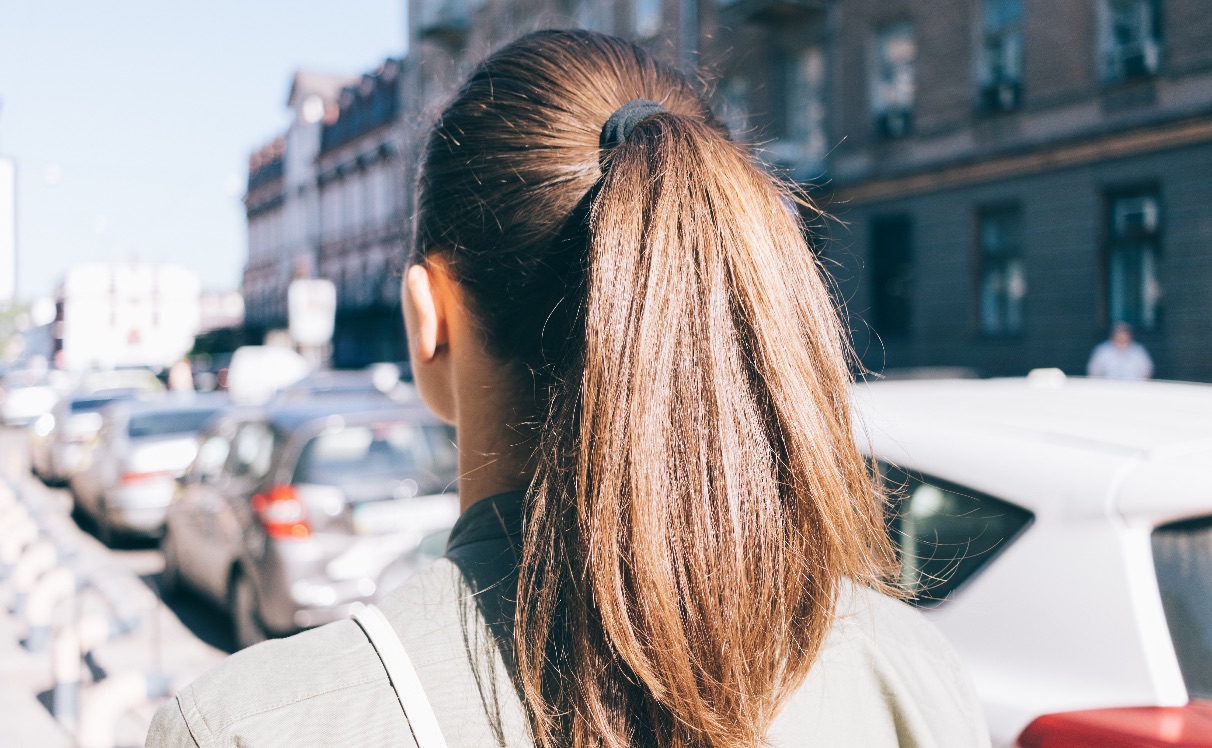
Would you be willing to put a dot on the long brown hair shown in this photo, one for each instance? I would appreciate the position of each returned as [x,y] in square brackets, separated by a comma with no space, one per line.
[698,497]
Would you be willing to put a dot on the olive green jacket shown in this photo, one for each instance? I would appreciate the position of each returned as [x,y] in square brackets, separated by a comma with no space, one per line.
[884,677]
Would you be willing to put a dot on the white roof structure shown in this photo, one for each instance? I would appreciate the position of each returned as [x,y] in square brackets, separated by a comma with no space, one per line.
[1067,615]
[1027,436]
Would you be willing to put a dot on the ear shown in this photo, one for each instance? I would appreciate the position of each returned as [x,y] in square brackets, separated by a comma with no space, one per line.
[424,314]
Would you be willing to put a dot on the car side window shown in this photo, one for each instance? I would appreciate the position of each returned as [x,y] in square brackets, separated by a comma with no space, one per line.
[212,454]
[251,451]
[1182,560]
[945,533]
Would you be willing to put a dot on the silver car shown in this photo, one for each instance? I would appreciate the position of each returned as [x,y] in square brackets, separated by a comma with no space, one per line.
[130,473]
[61,440]
[290,516]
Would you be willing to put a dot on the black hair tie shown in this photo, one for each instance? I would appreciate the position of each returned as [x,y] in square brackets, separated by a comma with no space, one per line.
[624,120]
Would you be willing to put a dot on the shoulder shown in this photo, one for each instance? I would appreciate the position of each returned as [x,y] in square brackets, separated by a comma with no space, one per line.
[270,694]
[327,686]
[885,676]
[326,681]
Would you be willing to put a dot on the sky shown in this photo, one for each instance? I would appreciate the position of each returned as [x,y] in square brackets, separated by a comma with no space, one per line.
[131,121]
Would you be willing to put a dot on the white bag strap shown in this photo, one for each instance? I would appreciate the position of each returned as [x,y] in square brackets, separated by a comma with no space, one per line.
[403,676]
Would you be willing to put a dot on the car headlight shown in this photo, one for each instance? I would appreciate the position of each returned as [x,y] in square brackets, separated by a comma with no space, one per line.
[44,425]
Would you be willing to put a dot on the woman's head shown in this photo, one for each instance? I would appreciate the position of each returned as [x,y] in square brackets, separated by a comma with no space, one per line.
[697,496]
[509,168]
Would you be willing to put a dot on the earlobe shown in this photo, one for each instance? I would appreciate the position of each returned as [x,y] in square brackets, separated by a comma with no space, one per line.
[425,318]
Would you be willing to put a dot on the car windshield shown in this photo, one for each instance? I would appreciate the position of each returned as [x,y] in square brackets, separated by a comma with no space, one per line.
[168,422]
[1182,557]
[366,459]
[93,404]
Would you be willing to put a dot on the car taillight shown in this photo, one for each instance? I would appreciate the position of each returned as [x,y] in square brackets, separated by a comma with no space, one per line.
[282,514]
[129,478]
[1189,726]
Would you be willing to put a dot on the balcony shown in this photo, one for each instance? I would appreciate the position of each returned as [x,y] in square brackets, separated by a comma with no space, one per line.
[771,11]
[444,21]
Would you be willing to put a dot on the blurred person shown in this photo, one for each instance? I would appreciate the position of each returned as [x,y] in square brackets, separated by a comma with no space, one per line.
[1120,357]
[668,537]
[181,376]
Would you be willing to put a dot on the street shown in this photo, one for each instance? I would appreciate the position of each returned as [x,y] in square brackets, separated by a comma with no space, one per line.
[169,643]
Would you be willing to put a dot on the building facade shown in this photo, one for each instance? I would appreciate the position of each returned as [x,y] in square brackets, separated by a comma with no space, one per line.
[1019,178]
[363,218]
[282,203]
[8,232]
[1010,176]
[125,314]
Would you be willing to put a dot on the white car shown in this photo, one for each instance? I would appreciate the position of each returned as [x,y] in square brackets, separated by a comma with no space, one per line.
[130,474]
[26,395]
[1059,532]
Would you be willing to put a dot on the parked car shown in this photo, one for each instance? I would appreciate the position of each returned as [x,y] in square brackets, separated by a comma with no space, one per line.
[139,378]
[60,440]
[375,383]
[28,394]
[256,372]
[428,549]
[289,515]
[1059,532]
[141,449]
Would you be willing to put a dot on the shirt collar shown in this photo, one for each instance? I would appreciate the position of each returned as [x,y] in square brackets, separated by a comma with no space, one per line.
[496,518]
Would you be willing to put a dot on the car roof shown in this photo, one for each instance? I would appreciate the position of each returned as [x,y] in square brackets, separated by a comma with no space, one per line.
[351,410]
[171,402]
[1036,431]
[1102,415]
[334,377]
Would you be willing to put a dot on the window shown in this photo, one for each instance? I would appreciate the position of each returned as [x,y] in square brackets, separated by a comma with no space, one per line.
[944,533]
[592,15]
[1131,38]
[1003,283]
[212,454]
[801,76]
[892,81]
[1000,75]
[1133,248]
[371,461]
[252,451]
[647,17]
[734,100]
[1182,558]
[892,275]
[168,422]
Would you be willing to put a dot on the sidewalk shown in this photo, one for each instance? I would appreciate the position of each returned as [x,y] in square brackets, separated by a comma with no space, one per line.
[24,721]
[122,582]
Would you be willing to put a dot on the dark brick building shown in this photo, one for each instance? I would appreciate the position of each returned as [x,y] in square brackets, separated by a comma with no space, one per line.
[1016,175]
[1013,175]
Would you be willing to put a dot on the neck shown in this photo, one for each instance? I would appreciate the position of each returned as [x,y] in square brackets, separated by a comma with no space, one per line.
[495,449]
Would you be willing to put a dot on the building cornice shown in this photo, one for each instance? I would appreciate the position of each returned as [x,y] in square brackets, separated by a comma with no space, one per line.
[1186,132]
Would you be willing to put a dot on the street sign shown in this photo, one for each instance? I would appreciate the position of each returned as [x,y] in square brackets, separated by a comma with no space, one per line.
[311,308]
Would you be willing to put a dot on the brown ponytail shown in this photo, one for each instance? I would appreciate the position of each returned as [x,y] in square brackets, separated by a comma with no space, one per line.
[699,497]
